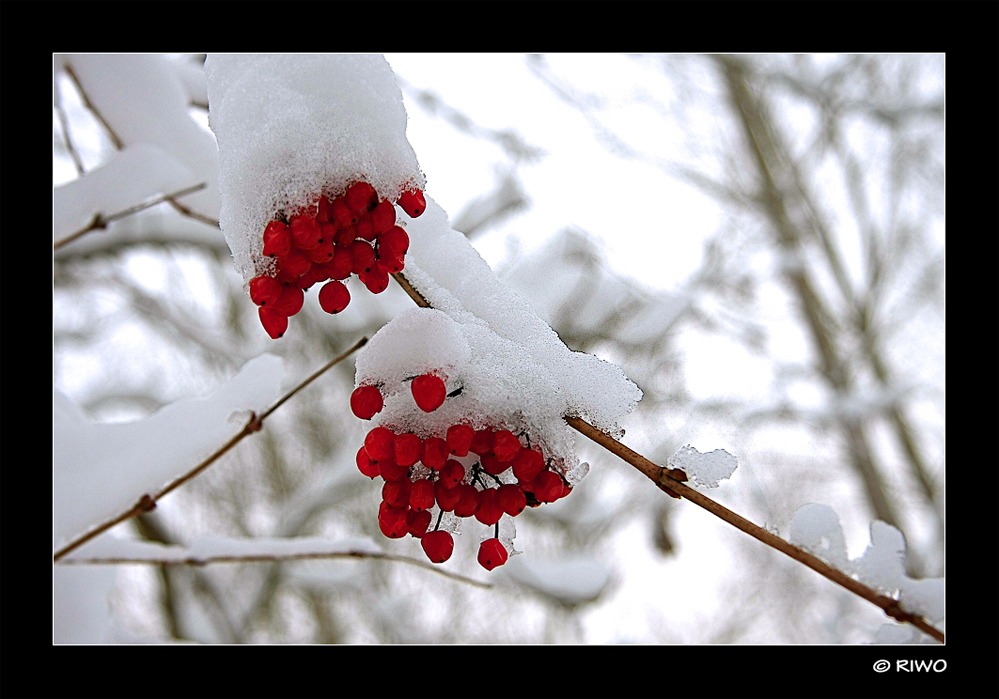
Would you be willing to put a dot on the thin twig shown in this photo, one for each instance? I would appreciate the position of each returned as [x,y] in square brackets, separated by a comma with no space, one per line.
[255,424]
[276,558]
[665,479]
[100,221]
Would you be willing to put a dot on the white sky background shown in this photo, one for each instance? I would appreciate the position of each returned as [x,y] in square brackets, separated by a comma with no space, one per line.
[650,226]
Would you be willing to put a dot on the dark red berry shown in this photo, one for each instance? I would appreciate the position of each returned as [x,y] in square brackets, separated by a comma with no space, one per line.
[407,449]
[395,241]
[396,493]
[548,486]
[459,439]
[380,442]
[295,263]
[435,453]
[492,554]
[277,239]
[334,297]
[365,465]
[447,498]
[360,196]
[492,465]
[342,213]
[429,392]
[391,471]
[482,442]
[365,401]
[418,522]
[489,510]
[421,497]
[506,445]
[323,211]
[274,323]
[470,499]
[362,255]
[527,464]
[438,545]
[290,301]
[264,290]
[382,217]
[392,521]
[511,499]
[452,474]
[413,202]
[375,279]
[305,231]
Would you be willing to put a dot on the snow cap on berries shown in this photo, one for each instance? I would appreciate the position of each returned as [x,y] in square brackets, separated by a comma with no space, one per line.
[293,126]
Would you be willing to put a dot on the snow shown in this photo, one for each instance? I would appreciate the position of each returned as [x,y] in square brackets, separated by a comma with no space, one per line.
[144,99]
[134,175]
[570,580]
[291,127]
[102,470]
[704,469]
[816,528]
[513,370]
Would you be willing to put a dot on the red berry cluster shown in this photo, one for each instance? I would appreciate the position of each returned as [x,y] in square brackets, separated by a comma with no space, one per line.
[354,233]
[501,475]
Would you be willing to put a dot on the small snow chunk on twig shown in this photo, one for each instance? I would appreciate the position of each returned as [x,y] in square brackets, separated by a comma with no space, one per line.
[816,528]
[704,469]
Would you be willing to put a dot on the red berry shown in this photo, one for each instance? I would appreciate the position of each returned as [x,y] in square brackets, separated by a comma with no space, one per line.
[376,280]
[447,498]
[323,211]
[334,297]
[391,471]
[489,511]
[407,449]
[379,443]
[365,465]
[413,202]
[290,301]
[342,213]
[435,453]
[548,486]
[294,264]
[492,465]
[274,323]
[482,442]
[395,240]
[438,545]
[511,499]
[305,231]
[360,196]
[345,235]
[396,493]
[392,521]
[421,496]
[527,464]
[429,392]
[277,239]
[364,227]
[365,401]
[382,217]
[418,522]
[492,553]
[362,255]
[470,499]
[452,473]
[322,253]
[506,445]
[459,439]
[264,290]
[341,265]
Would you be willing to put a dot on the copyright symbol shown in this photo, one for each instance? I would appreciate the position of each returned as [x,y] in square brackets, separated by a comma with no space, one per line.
[881,666]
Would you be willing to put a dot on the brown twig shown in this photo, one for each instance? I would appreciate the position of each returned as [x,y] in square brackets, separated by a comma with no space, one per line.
[100,221]
[276,558]
[255,424]
[667,481]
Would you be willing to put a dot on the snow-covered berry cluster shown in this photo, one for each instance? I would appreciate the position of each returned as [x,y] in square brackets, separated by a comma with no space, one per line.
[354,233]
[462,471]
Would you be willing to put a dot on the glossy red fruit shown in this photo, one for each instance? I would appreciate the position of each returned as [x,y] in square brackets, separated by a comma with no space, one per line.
[391,471]
[364,227]
[365,465]
[375,279]
[290,301]
[392,265]
[334,297]
[342,213]
[511,499]
[396,493]
[470,499]
[452,473]
[380,443]
[407,449]
[395,241]
[505,445]
[435,453]
[322,253]
[365,401]
[382,217]
[392,521]
[362,255]
[489,510]
[492,554]
[459,439]
[482,442]
[438,546]
[429,392]
[305,232]
[360,196]
[413,202]
[264,290]
[277,239]
[492,465]
[274,323]
[294,264]
[548,486]
[418,522]
[421,497]
[527,464]
[447,498]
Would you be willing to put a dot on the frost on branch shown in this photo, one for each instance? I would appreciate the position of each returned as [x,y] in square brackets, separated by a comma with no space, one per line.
[704,469]
[481,382]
